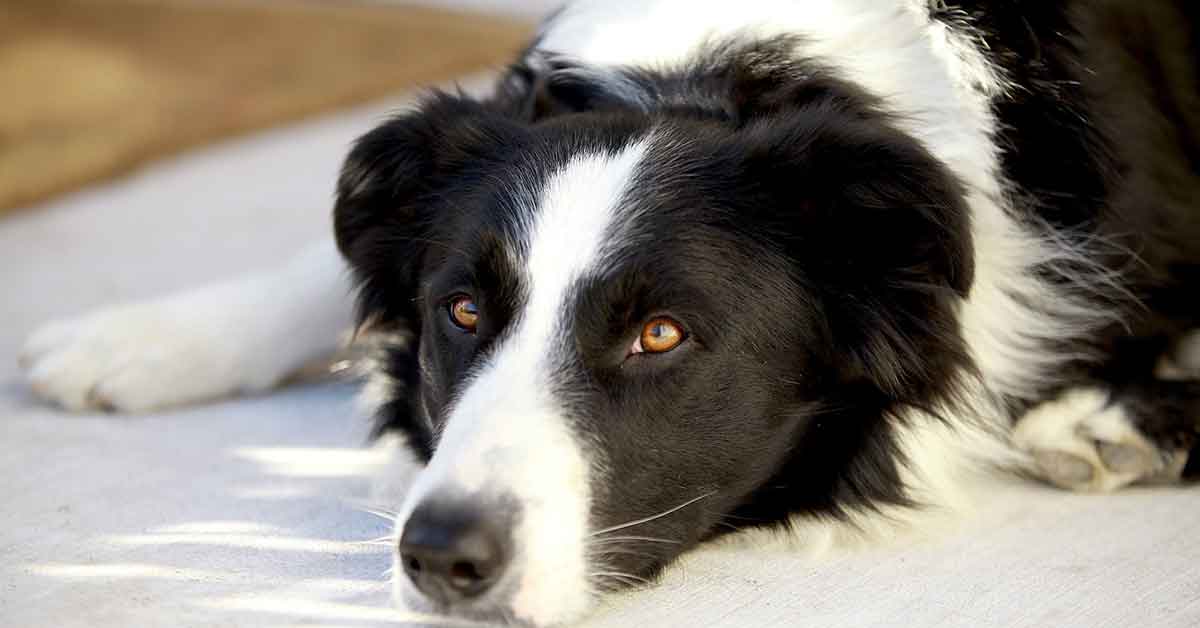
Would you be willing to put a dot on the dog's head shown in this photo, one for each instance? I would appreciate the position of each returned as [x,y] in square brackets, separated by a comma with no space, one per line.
[629,327]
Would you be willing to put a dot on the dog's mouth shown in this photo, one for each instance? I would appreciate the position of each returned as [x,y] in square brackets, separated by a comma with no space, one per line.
[503,561]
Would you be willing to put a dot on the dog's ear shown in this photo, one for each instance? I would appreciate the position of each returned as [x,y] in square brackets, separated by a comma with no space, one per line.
[390,188]
[879,230]
[541,86]
[735,83]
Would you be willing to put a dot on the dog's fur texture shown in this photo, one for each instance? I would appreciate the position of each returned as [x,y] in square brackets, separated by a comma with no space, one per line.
[911,243]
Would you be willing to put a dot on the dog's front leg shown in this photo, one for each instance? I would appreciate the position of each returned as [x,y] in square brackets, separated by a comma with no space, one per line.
[242,335]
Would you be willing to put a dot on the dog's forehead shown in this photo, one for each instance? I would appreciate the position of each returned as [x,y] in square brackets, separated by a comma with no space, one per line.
[547,217]
[570,232]
[580,211]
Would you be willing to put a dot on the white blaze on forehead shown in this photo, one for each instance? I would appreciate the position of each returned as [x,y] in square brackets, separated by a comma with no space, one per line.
[575,218]
[507,437]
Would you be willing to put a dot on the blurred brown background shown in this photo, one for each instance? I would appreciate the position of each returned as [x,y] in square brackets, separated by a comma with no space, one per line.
[93,88]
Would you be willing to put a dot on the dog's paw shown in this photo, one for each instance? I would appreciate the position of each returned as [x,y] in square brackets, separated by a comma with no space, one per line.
[136,358]
[1083,441]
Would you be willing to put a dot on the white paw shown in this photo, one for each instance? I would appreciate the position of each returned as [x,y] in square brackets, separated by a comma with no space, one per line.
[139,357]
[1081,441]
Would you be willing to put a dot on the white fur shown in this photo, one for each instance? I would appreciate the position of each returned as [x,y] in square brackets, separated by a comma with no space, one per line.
[890,48]
[508,435]
[238,336]
[1071,429]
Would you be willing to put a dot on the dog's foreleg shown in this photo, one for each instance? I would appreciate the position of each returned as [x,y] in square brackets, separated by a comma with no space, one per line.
[242,335]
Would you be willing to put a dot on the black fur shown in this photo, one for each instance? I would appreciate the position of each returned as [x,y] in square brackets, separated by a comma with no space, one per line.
[1167,413]
[816,253]
[862,320]
[1101,138]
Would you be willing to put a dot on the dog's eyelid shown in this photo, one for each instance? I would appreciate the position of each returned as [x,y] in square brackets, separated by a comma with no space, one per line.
[659,334]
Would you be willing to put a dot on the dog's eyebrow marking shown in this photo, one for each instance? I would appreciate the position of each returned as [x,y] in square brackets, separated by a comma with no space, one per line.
[572,228]
[568,238]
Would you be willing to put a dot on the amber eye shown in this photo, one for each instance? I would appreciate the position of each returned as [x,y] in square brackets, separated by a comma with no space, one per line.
[659,336]
[464,313]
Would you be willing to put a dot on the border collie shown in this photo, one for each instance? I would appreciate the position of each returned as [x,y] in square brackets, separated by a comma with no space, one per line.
[699,265]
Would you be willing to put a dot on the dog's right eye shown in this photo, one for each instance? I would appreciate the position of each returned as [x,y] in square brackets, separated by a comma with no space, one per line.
[464,313]
[660,335]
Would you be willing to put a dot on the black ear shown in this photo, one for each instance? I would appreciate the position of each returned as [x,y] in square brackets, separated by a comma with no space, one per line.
[732,82]
[389,190]
[542,85]
[879,229]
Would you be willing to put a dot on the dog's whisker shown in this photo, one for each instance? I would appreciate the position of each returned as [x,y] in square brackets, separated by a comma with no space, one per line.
[619,576]
[382,513]
[387,543]
[620,550]
[741,518]
[377,540]
[617,539]
[653,517]
[369,506]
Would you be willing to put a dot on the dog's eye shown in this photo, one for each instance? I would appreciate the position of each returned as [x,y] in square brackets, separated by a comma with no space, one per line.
[464,313]
[660,335]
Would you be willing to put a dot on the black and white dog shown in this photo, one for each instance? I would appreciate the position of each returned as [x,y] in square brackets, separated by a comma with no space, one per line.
[700,265]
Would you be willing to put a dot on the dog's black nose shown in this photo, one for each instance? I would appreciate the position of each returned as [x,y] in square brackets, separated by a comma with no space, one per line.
[452,552]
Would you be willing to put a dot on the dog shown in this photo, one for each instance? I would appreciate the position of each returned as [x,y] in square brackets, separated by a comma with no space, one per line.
[697,267]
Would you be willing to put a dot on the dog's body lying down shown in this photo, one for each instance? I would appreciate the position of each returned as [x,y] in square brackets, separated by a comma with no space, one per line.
[706,265]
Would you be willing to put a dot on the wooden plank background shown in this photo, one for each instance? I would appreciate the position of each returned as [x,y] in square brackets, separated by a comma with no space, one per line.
[94,88]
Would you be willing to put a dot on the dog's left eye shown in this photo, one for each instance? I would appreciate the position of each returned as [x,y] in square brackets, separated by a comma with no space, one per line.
[464,313]
[660,335]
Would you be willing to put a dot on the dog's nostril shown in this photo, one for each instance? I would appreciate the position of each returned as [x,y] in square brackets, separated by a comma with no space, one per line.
[452,552]
[465,573]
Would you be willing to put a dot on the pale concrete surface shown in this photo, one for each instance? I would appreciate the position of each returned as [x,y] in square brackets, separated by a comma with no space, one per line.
[242,513]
